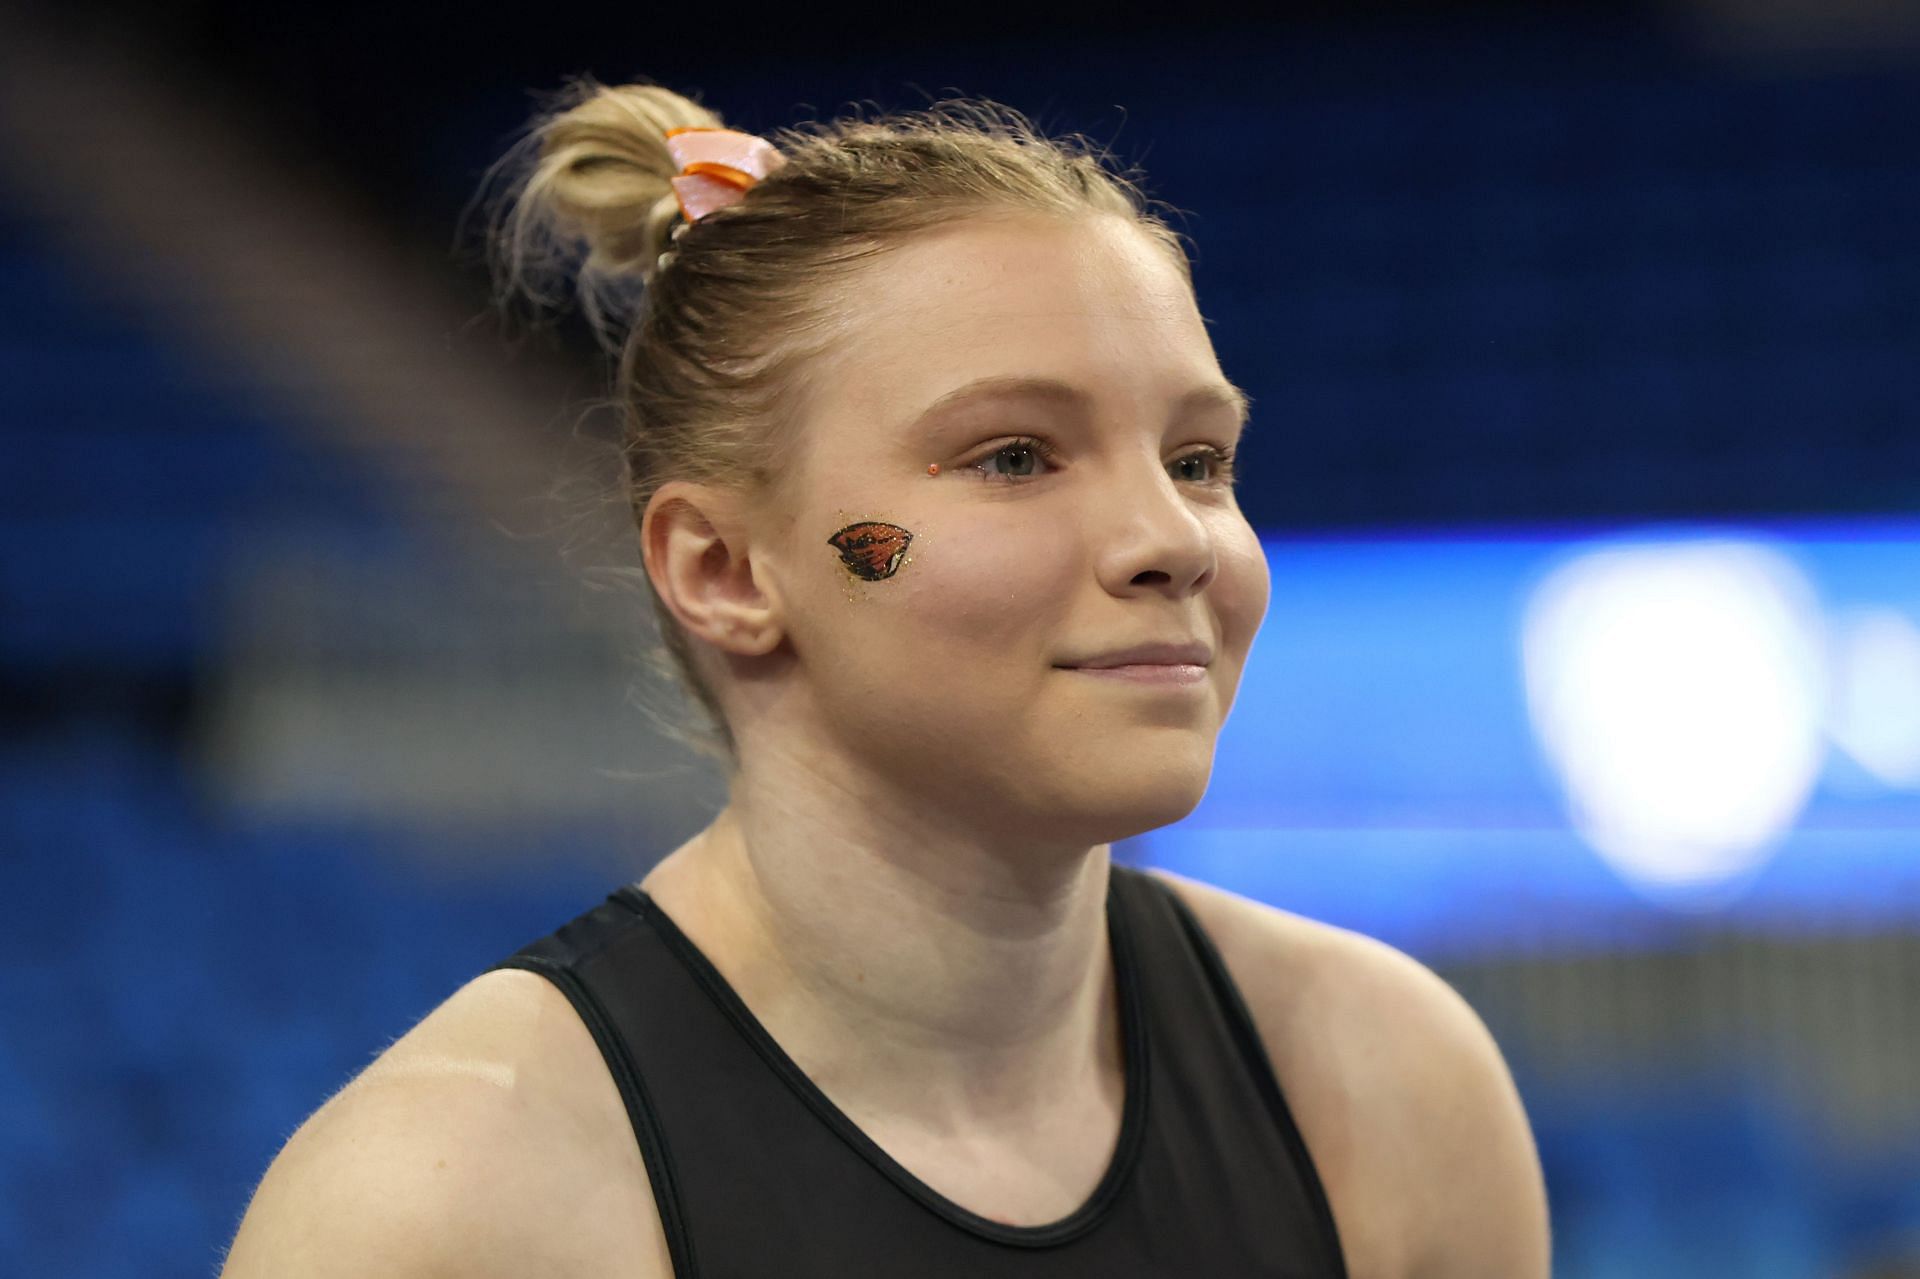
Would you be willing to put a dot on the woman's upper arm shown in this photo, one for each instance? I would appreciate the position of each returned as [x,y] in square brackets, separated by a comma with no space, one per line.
[1403,1097]
[485,1142]
[1475,1170]
[380,1181]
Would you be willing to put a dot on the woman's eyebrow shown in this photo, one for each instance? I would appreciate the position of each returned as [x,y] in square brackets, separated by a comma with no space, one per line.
[1208,395]
[1219,393]
[984,389]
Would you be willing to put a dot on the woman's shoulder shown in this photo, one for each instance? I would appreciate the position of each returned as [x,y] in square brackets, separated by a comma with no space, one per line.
[1398,1088]
[485,1140]
[1334,1008]
[1286,962]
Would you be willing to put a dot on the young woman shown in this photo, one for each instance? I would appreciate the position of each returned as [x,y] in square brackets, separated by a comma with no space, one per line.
[931,461]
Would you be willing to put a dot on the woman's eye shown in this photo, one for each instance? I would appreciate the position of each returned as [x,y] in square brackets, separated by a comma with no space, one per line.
[1214,465]
[1021,457]
[1017,461]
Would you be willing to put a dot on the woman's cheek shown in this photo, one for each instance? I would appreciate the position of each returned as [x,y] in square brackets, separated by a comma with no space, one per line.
[949,577]
[993,577]
[1244,586]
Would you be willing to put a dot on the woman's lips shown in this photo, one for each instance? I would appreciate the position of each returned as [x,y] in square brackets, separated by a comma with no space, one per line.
[1174,674]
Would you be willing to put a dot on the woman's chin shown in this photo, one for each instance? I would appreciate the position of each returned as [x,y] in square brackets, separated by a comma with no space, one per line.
[1135,796]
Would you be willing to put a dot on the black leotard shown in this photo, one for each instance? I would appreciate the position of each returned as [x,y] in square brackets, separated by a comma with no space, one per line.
[756,1173]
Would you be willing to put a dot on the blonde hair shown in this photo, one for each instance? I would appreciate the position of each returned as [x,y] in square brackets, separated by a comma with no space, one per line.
[714,327]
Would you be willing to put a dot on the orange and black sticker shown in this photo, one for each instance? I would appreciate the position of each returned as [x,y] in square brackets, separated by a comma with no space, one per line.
[871,550]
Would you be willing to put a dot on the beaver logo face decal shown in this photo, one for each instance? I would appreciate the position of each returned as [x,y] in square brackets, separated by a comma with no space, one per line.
[871,550]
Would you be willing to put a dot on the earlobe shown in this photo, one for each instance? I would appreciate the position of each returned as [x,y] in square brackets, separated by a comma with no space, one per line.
[697,552]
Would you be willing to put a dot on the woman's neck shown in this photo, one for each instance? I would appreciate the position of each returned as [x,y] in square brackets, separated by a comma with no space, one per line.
[911,975]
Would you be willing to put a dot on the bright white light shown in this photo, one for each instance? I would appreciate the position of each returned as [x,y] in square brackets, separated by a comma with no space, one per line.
[1876,707]
[1677,689]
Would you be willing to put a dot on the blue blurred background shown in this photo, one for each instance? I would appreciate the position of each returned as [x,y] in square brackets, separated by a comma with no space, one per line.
[1586,449]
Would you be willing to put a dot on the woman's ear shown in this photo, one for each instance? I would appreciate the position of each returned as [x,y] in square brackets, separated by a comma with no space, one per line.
[697,548]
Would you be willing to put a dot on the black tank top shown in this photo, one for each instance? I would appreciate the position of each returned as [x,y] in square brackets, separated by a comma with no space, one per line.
[756,1173]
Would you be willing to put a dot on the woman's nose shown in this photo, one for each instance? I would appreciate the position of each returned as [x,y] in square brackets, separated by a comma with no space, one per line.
[1151,535]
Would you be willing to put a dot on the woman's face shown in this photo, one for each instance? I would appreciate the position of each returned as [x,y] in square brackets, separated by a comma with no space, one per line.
[950,680]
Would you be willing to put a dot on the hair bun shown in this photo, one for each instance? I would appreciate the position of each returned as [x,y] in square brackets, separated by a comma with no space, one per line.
[591,195]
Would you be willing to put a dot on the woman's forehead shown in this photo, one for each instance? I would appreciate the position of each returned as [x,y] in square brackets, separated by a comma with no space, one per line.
[1023,263]
[1087,303]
